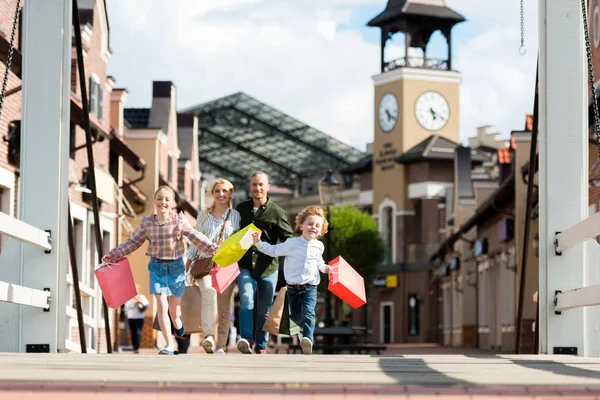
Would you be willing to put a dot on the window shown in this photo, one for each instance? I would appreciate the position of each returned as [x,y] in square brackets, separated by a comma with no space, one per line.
[72,141]
[169,169]
[96,95]
[78,242]
[388,236]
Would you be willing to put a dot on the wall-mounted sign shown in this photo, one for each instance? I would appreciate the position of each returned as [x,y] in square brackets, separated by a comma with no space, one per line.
[379,282]
[454,264]
[481,247]
[391,281]
[385,158]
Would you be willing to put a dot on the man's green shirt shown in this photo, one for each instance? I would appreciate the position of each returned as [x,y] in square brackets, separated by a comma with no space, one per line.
[272,221]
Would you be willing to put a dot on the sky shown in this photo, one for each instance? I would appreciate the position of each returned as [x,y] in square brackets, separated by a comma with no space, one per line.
[315,59]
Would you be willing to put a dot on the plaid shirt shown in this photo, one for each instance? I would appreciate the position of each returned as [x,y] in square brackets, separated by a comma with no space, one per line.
[165,240]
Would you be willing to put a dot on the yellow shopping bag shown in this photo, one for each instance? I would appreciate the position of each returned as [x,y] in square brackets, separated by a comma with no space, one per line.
[235,246]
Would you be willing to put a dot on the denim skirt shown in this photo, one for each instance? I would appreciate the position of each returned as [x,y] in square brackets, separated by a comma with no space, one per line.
[167,277]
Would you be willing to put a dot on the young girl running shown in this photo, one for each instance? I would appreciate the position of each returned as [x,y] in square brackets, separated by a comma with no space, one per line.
[303,261]
[164,231]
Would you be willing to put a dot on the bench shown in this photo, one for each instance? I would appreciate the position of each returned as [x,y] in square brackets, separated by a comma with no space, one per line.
[339,348]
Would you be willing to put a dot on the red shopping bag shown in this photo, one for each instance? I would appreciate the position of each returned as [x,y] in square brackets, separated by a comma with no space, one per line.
[346,283]
[222,277]
[116,283]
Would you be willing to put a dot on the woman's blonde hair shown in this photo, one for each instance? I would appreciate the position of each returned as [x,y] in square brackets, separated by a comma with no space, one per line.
[221,181]
[307,212]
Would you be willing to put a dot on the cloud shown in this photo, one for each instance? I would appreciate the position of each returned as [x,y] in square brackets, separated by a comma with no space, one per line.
[293,56]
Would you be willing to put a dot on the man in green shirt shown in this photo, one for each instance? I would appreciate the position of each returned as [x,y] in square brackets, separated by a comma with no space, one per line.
[259,272]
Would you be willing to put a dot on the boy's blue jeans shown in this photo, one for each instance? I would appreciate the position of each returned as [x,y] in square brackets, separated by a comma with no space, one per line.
[303,304]
[262,289]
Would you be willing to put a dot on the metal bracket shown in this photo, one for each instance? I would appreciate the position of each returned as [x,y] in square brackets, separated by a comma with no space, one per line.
[37,348]
[556,293]
[556,252]
[47,309]
[49,240]
[570,351]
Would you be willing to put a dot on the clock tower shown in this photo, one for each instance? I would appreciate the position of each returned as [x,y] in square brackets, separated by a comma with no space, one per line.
[415,97]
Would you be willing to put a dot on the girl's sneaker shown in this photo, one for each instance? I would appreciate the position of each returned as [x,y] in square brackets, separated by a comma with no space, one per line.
[220,351]
[306,345]
[209,344]
[245,346]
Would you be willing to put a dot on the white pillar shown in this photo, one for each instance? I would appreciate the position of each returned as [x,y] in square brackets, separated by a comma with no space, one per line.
[563,165]
[45,162]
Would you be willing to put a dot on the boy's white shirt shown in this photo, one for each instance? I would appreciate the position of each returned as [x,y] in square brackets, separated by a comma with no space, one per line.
[303,259]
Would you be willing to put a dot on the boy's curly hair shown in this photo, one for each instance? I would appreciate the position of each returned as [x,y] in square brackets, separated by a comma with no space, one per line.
[308,211]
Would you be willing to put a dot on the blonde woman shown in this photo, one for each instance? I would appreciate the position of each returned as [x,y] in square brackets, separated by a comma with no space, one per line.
[210,222]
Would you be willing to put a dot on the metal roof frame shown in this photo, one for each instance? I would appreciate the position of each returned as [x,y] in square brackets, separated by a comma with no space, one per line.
[242,135]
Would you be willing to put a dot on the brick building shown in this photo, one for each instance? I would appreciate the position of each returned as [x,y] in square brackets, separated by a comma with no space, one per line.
[11,111]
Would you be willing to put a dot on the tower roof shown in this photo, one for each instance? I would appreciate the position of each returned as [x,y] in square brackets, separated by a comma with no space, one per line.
[398,10]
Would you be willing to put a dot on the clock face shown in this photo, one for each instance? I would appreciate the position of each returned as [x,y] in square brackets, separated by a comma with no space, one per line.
[432,111]
[387,114]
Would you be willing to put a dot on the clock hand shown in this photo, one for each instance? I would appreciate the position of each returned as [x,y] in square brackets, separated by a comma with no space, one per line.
[436,115]
[390,116]
[433,114]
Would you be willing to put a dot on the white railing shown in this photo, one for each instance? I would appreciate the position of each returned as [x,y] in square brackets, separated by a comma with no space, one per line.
[18,230]
[124,206]
[589,228]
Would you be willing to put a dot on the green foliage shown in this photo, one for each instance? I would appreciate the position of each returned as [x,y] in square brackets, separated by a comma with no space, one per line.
[355,237]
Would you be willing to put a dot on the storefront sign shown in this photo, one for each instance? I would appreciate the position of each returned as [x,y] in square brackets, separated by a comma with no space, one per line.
[390,282]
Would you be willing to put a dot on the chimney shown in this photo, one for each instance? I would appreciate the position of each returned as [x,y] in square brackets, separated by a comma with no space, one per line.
[163,104]
[117,102]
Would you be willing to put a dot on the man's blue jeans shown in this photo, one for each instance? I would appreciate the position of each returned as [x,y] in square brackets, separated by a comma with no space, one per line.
[302,309]
[263,290]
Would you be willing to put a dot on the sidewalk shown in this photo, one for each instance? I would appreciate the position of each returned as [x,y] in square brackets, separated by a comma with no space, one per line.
[405,372]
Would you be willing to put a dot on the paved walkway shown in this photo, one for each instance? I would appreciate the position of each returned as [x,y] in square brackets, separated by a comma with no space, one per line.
[236,376]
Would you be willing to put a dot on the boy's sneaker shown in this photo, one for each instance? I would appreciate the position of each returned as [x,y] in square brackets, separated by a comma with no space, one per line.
[244,346]
[306,345]
[209,345]
[220,351]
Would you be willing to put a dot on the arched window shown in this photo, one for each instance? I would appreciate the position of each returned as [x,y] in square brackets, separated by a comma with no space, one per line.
[387,228]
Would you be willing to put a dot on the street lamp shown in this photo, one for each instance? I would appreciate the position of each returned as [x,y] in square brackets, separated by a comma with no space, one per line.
[327,190]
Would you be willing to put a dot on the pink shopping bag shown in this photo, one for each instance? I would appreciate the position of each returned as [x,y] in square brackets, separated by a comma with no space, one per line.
[346,283]
[222,277]
[116,283]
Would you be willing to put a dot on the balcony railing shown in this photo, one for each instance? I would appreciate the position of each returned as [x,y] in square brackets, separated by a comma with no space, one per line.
[417,258]
[420,253]
[416,62]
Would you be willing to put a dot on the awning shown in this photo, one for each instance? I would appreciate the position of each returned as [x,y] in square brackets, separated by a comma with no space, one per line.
[499,198]
[17,57]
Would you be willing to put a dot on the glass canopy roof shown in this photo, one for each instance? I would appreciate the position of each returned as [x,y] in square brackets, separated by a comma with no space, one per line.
[240,135]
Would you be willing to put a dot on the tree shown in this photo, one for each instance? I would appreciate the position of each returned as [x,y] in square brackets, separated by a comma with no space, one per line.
[355,237]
